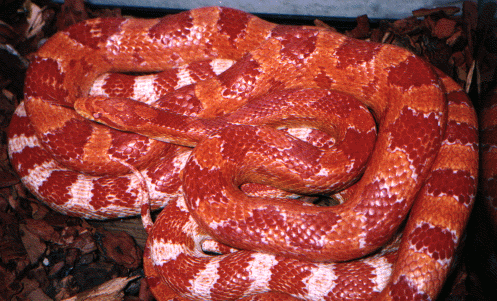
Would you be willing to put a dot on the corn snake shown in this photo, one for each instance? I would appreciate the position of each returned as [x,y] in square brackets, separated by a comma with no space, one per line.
[426,134]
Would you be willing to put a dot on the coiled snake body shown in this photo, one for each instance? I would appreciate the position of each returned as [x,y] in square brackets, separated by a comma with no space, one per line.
[252,80]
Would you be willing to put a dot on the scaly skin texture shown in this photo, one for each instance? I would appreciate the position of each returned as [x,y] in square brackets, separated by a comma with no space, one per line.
[233,82]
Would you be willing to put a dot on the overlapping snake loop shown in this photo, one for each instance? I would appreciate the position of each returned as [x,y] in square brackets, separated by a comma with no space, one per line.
[279,106]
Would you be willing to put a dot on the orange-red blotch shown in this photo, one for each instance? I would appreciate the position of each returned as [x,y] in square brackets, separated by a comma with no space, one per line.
[28,158]
[297,43]
[200,70]
[403,290]
[119,196]
[233,273]
[172,28]
[383,212]
[182,102]
[57,186]
[354,52]
[461,133]
[48,84]
[20,125]
[288,275]
[119,85]
[93,33]
[411,73]
[436,242]
[129,146]
[460,185]
[240,79]
[233,23]
[358,284]
[417,135]
[68,143]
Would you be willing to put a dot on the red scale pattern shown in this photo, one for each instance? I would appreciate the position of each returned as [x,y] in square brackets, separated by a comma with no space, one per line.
[388,209]
[403,291]
[403,92]
[115,111]
[239,80]
[47,84]
[416,135]
[287,276]
[452,183]
[201,70]
[363,53]
[258,224]
[323,80]
[295,236]
[29,158]
[325,223]
[137,58]
[92,33]
[183,262]
[182,101]
[297,44]
[121,197]
[408,74]
[172,29]
[359,143]
[67,143]
[56,186]
[356,287]
[164,174]
[212,178]
[20,126]
[459,98]
[119,85]
[304,156]
[434,241]
[166,82]
[233,277]
[468,136]
[275,85]
[234,24]
[131,147]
